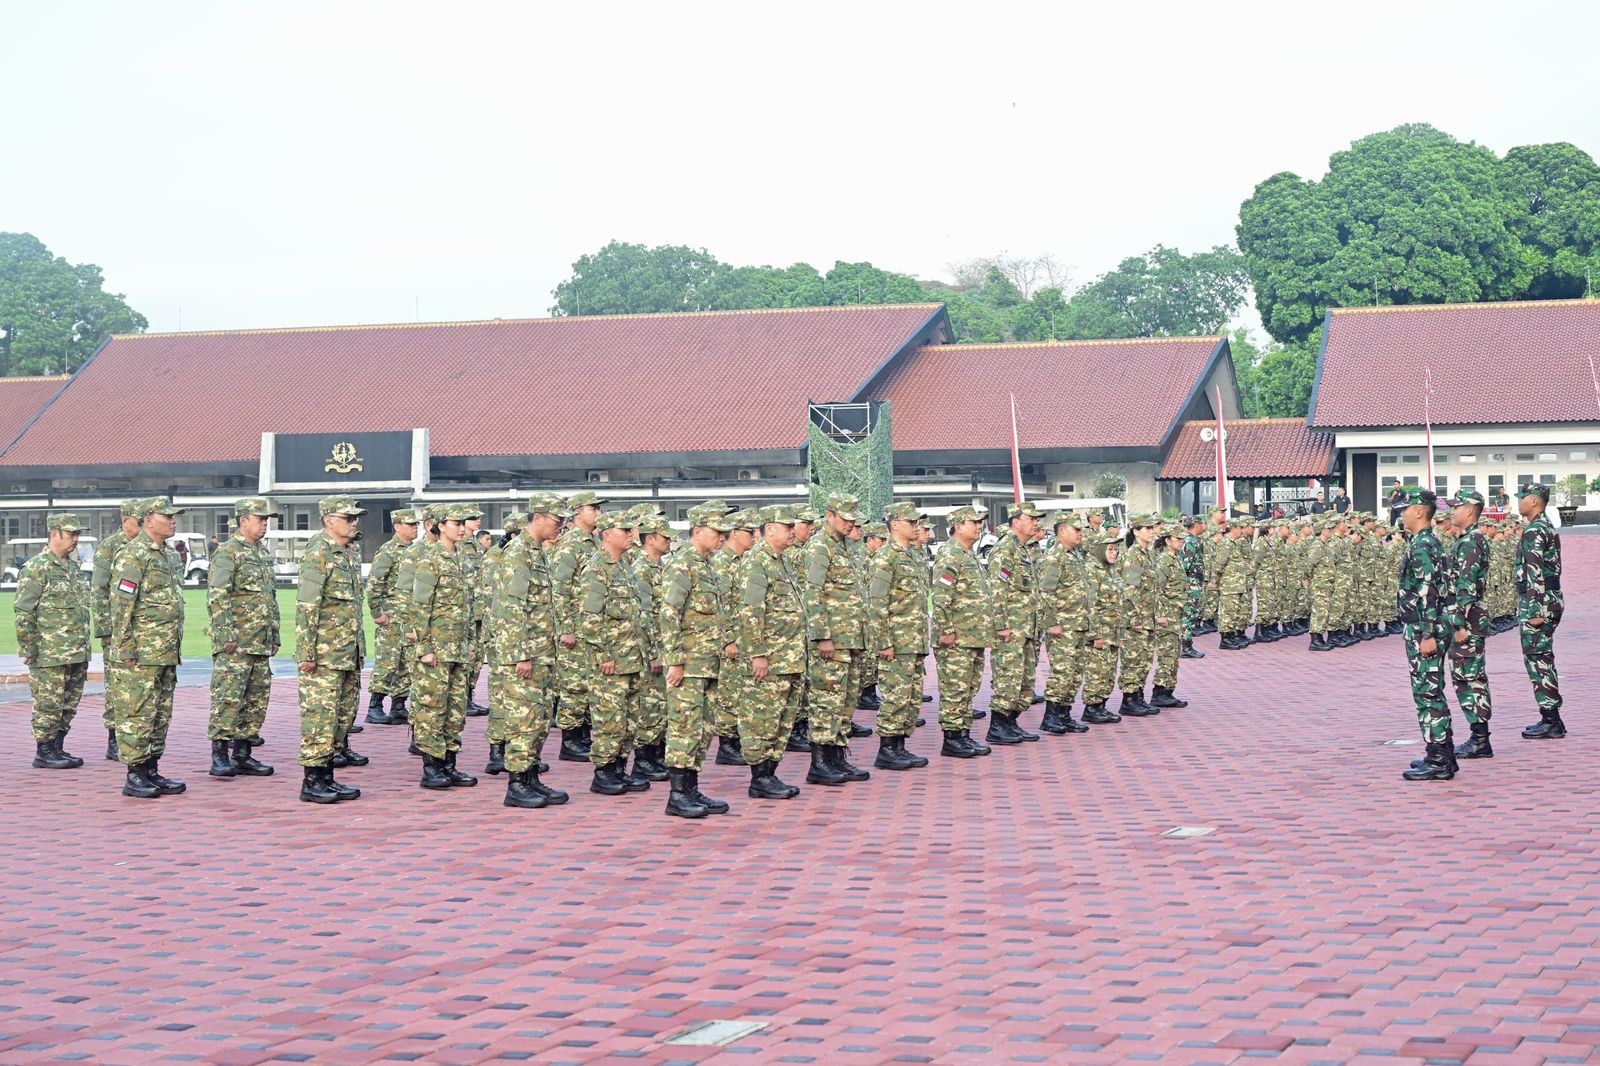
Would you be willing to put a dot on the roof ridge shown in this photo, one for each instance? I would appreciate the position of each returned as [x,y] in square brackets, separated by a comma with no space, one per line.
[1479,305]
[926,305]
[1210,338]
[34,377]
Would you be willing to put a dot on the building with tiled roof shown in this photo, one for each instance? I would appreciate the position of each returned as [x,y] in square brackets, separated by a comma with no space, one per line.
[1259,450]
[1515,395]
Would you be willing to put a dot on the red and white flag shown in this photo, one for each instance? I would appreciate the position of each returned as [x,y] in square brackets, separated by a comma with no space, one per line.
[1427,419]
[1016,454]
[1224,497]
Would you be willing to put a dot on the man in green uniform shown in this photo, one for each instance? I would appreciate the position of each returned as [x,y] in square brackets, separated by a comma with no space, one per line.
[610,632]
[1539,608]
[489,577]
[53,621]
[1063,617]
[570,555]
[441,618]
[655,540]
[105,556]
[146,645]
[735,677]
[1106,608]
[1015,656]
[1468,614]
[964,627]
[1172,592]
[835,607]
[471,552]
[1193,558]
[772,639]
[329,646]
[897,622]
[386,598]
[242,602]
[1421,606]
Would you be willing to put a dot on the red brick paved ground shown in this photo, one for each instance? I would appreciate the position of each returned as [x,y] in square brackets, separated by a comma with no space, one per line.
[1024,908]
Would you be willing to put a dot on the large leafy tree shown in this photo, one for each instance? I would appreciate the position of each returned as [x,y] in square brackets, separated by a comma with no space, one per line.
[1275,381]
[631,279]
[1162,293]
[54,314]
[1553,195]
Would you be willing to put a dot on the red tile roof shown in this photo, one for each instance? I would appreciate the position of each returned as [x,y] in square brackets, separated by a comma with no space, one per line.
[1070,394]
[1491,362]
[1257,448]
[20,400]
[714,381]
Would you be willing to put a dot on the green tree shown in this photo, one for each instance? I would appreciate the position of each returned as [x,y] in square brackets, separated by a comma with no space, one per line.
[972,321]
[54,314]
[863,283]
[1554,196]
[1109,486]
[1275,381]
[1162,293]
[631,279]
[741,288]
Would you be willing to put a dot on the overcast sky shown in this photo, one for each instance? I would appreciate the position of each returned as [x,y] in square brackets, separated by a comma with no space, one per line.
[316,163]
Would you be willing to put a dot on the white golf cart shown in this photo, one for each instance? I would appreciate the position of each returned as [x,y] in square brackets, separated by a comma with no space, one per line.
[19,551]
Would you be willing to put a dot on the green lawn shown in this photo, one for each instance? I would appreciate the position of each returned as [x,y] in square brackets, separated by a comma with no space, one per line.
[196,645]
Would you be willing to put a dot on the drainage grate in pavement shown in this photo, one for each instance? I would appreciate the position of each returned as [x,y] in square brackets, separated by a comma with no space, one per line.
[1190,831]
[715,1034]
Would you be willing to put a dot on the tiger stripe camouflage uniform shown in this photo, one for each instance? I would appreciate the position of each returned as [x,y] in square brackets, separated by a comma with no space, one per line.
[772,625]
[53,619]
[1467,614]
[1013,662]
[897,617]
[835,609]
[105,556]
[328,638]
[386,597]
[242,601]
[610,629]
[1537,570]
[146,639]
[521,629]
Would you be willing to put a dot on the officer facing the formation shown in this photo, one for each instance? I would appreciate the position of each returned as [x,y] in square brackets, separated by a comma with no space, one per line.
[772,639]
[835,608]
[441,619]
[610,630]
[964,629]
[1015,655]
[897,621]
[1539,609]
[1468,615]
[53,621]
[105,556]
[146,645]
[242,602]
[386,598]
[330,648]
[1421,609]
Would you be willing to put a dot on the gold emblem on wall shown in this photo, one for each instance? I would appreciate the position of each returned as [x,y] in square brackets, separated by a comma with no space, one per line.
[343,459]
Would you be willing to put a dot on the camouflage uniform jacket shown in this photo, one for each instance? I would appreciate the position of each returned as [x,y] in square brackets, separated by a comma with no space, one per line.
[1193,558]
[961,600]
[1469,574]
[1064,594]
[385,594]
[405,576]
[647,574]
[52,611]
[692,615]
[567,560]
[1420,601]
[836,609]
[522,617]
[105,562]
[441,604]
[1538,571]
[1172,587]
[772,619]
[327,611]
[147,604]
[1011,581]
[610,621]
[897,599]
[242,598]
[471,557]
[730,568]
[1233,567]
[1107,603]
[1141,585]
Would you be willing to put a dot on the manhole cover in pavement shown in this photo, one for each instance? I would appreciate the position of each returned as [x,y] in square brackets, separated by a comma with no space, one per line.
[1190,831]
[715,1034]
[1401,742]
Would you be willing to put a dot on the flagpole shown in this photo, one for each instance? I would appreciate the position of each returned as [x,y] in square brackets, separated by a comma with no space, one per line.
[1223,500]
[1016,454]
[1427,417]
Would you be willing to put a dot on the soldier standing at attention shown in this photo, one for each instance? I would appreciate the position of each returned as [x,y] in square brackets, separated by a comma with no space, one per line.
[329,646]
[1063,618]
[146,644]
[242,600]
[772,638]
[1193,558]
[655,537]
[1172,592]
[1469,620]
[521,643]
[53,622]
[1421,604]
[874,535]
[897,620]
[471,553]
[572,552]
[390,661]
[489,578]
[1104,603]
[610,631]
[1233,588]
[696,645]
[1539,608]
[441,618]
[1015,658]
[735,677]
[1137,650]
[836,622]
[105,561]
[964,625]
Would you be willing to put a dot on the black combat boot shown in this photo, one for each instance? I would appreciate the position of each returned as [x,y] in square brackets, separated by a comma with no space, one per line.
[397,710]
[168,787]
[713,806]
[681,802]
[822,771]
[1477,745]
[62,752]
[221,759]
[1190,651]
[1164,698]
[1052,722]
[869,699]
[1232,641]
[574,748]
[607,782]
[839,759]
[917,761]
[245,764]
[1097,714]
[497,761]
[1134,706]
[858,731]
[138,783]
[457,778]
[891,756]
[1001,730]
[1435,765]
[728,752]
[954,746]
[1548,727]
[648,764]
[45,756]
[1072,724]
[634,780]
[764,783]
[433,775]
[345,792]
[313,789]
[552,796]
[476,709]
[520,794]
[112,754]
[375,712]
[977,749]
[799,736]
[1017,728]
[1319,642]
[351,758]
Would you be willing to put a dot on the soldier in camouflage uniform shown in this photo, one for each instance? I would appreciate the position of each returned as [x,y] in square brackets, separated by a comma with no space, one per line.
[521,646]
[1468,617]
[897,624]
[53,622]
[441,619]
[874,535]
[1422,612]
[1321,565]
[610,631]
[489,578]
[386,598]
[698,650]
[964,627]
[1105,609]
[1063,618]
[330,647]
[1539,609]
[650,735]
[105,555]
[1015,656]
[146,645]
[835,609]
[1193,558]
[470,553]
[1137,566]
[570,555]
[242,602]
[1172,591]
[772,639]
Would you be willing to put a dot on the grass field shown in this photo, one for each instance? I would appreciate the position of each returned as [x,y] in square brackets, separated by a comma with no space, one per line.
[196,645]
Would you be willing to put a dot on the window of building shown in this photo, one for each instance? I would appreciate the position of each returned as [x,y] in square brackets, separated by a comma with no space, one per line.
[1546,457]
[1411,481]
[1388,459]
[1524,457]
[1410,459]
[1497,484]
[13,528]
[1497,457]
[1577,457]
[222,525]
[1467,457]
[1440,459]
[1388,484]
[1469,481]
[1441,485]
[302,521]
[1547,479]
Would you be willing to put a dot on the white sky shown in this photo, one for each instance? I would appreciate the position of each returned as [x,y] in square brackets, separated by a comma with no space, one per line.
[313,163]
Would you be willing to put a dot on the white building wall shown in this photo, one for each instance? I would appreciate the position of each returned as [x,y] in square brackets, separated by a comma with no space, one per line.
[1477,459]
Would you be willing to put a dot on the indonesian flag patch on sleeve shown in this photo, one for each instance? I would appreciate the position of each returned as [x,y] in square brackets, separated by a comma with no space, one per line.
[1005,574]
[127,586]
[947,578]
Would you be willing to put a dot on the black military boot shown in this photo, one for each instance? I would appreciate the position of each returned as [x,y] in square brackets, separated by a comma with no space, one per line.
[858,731]
[799,736]
[1164,698]
[1072,724]
[375,712]
[476,709]
[112,754]
[168,787]
[1477,745]
[917,761]
[574,748]
[1190,651]
[839,759]
[45,756]
[889,757]
[1001,731]
[728,752]
[344,791]
[433,775]
[138,784]
[222,759]
[397,710]
[822,771]
[1097,714]
[519,793]
[607,781]
[1548,727]
[1435,766]
[1133,706]
[764,783]
[977,749]
[351,758]
[1233,642]
[62,752]
[1319,642]
[1052,722]
[681,802]
[647,762]
[313,789]
[1017,728]
[712,806]
[554,797]
[869,699]
[635,781]
[256,741]
[457,778]
[955,748]
[497,759]
[246,764]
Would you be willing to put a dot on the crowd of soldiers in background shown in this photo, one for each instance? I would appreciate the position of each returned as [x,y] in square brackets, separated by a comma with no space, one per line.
[762,630]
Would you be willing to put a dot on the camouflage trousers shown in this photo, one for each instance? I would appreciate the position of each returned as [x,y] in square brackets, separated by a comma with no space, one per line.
[651,727]
[391,673]
[572,685]
[1321,608]
[613,716]
[1136,654]
[56,691]
[1066,668]
[689,722]
[960,676]
[328,701]
[725,698]
[1209,606]
[833,686]
[142,698]
[1167,643]
[241,685]
[1427,687]
[524,707]
[1469,675]
[438,706]
[1539,660]
[869,670]
[900,690]
[1233,612]
[108,714]
[767,713]
[1193,609]
[1099,671]
[1012,664]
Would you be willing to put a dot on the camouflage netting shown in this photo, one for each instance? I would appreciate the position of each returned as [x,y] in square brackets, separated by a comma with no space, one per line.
[862,466]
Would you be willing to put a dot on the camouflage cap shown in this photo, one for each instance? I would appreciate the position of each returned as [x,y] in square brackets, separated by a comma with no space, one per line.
[130,508]
[405,516]
[434,512]
[1468,496]
[967,514]
[65,521]
[1143,521]
[712,513]
[1066,518]
[779,513]
[616,520]
[467,510]
[845,506]
[514,522]
[1414,494]
[657,525]
[904,511]
[746,519]
[880,530]
[1541,491]
[644,510]
[807,514]
[255,505]
[585,499]
[1026,507]
[548,503]
[345,505]
[722,505]
[157,505]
